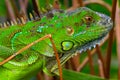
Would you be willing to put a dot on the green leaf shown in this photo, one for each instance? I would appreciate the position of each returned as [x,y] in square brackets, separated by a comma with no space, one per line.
[72,75]
[2,8]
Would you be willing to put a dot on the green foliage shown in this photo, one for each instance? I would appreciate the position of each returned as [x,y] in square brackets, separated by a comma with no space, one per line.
[2,8]
[73,75]
[108,1]
[99,8]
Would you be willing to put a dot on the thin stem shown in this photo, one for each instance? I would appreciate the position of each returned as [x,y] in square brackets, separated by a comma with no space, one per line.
[117,19]
[101,61]
[91,63]
[75,4]
[75,62]
[56,4]
[23,7]
[57,58]
[109,49]
[16,11]
[46,77]
[66,3]
[10,10]
[68,65]
[36,7]
[80,2]
[39,76]
[101,71]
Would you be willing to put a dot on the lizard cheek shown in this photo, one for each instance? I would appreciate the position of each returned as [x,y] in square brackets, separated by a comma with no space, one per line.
[67,45]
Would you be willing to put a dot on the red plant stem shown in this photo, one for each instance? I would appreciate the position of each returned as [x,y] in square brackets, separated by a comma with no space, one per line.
[101,72]
[57,58]
[36,7]
[15,8]
[110,41]
[46,77]
[101,61]
[68,65]
[75,4]
[66,3]
[80,2]
[23,7]
[10,10]
[56,4]
[117,19]
[39,76]
[91,62]
[75,62]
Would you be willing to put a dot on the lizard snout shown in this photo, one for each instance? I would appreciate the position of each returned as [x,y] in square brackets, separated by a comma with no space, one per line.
[105,21]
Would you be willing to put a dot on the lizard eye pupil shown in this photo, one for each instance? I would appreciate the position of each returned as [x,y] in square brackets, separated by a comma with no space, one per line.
[88,19]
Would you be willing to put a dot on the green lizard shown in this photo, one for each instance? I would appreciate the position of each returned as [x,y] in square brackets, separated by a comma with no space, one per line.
[72,32]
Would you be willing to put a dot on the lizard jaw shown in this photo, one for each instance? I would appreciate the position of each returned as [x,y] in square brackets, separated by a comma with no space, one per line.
[69,55]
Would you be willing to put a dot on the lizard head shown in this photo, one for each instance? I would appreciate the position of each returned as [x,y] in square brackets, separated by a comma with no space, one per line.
[82,29]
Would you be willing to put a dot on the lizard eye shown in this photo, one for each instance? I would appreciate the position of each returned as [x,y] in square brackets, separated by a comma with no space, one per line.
[88,19]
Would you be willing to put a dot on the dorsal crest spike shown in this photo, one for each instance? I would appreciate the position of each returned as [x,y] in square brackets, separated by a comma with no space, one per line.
[36,16]
[11,22]
[34,13]
[8,23]
[49,7]
[18,21]
[31,16]
[40,14]
[15,22]
[4,24]
[43,10]
[22,20]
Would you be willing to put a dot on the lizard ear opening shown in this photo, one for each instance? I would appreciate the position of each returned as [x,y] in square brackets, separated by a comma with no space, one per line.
[70,30]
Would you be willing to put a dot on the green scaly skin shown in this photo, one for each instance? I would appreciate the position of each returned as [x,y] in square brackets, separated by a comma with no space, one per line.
[72,32]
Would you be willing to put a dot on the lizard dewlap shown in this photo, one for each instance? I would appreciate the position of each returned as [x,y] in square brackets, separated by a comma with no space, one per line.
[72,32]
